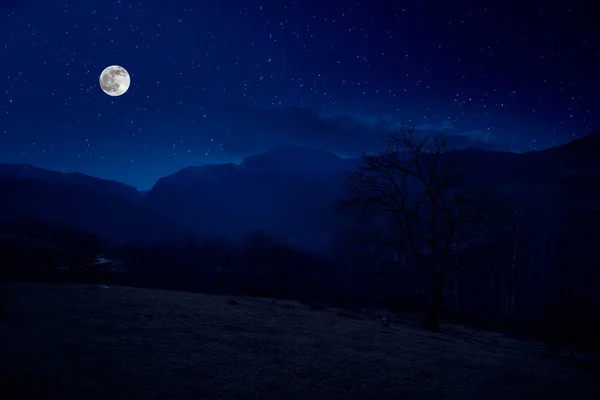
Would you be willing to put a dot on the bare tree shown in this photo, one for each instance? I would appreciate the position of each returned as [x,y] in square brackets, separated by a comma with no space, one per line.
[513,251]
[421,198]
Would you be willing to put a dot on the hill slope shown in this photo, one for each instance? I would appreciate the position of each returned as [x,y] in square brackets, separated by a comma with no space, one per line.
[123,343]
[292,192]
[103,186]
[110,216]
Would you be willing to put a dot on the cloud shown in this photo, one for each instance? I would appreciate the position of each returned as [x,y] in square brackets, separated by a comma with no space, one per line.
[466,141]
[483,135]
[445,125]
[250,130]
[458,138]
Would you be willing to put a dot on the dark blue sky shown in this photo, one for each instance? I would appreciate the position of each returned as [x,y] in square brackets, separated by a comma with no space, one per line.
[214,81]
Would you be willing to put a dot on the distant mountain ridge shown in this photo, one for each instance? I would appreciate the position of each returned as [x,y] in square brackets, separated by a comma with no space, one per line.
[286,191]
[109,209]
[27,171]
[292,191]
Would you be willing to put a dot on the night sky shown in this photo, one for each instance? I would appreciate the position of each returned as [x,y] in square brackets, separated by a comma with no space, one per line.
[214,81]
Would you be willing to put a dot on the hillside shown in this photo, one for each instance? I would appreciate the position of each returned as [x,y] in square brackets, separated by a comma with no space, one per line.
[292,191]
[103,186]
[124,343]
[287,192]
[112,217]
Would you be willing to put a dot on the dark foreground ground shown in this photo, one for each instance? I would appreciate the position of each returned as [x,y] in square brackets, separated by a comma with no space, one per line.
[68,342]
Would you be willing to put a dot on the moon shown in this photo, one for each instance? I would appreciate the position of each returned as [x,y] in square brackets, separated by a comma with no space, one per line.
[115,80]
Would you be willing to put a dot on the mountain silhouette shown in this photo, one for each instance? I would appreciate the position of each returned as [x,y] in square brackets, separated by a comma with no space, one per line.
[292,191]
[26,171]
[289,192]
[113,217]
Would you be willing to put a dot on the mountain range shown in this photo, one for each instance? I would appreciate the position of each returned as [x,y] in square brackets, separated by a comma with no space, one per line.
[288,192]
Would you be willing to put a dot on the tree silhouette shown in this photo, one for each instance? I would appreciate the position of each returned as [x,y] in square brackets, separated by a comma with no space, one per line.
[423,201]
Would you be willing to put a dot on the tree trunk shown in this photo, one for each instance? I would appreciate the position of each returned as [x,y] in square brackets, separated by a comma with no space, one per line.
[513,277]
[434,309]
[456,290]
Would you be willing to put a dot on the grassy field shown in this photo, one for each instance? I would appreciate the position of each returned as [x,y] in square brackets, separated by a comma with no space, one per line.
[68,342]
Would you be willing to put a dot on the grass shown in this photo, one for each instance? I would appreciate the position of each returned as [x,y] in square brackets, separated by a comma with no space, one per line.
[68,342]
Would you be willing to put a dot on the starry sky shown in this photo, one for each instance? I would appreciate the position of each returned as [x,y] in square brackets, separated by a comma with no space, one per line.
[215,81]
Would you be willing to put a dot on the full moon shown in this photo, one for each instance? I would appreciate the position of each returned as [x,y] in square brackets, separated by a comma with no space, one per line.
[114,80]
